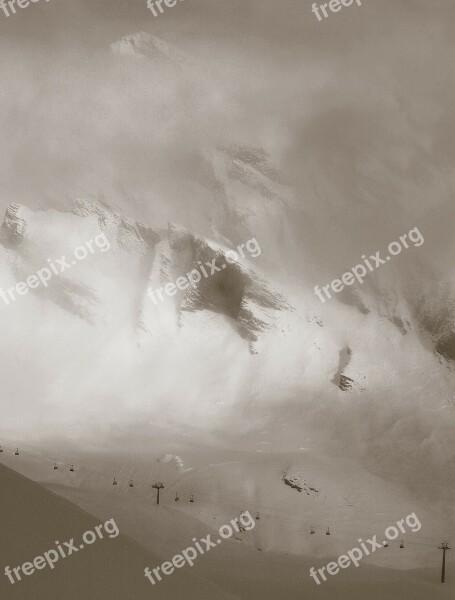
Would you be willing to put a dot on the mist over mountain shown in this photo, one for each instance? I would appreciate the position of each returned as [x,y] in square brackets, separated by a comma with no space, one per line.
[180,139]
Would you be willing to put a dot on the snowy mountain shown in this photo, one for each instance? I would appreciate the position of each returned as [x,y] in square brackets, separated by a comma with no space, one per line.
[250,348]
[173,190]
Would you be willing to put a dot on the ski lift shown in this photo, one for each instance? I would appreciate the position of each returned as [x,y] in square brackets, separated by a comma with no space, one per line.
[176,499]
[17,452]
[55,467]
[131,483]
[312,531]
[401,544]
[72,469]
[328,531]
[258,518]
[114,482]
[385,543]
[192,498]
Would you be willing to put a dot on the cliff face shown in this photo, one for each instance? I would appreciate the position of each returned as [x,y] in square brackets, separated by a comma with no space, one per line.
[12,231]
[151,258]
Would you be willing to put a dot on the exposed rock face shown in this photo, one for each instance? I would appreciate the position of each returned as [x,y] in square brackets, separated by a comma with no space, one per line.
[436,318]
[233,289]
[341,380]
[13,229]
[132,236]
[297,482]
[446,345]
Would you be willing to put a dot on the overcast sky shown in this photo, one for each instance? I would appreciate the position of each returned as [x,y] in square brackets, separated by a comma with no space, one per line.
[352,108]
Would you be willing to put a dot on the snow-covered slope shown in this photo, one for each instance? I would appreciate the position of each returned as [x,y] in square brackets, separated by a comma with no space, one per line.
[290,493]
[113,567]
[238,343]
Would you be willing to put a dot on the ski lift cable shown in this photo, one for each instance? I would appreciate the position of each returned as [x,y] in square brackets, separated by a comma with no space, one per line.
[307,524]
[101,472]
[270,515]
[38,453]
[261,510]
[53,460]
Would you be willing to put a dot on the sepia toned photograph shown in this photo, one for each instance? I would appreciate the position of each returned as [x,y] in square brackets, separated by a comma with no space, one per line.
[227,300]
